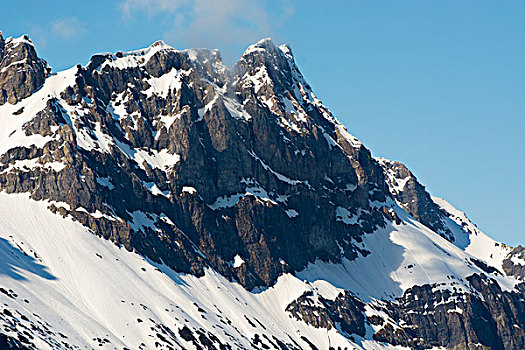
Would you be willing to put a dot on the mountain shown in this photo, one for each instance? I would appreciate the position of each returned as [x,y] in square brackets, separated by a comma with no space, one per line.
[159,199]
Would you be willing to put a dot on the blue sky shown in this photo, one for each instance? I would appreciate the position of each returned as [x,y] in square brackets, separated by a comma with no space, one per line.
[438,85]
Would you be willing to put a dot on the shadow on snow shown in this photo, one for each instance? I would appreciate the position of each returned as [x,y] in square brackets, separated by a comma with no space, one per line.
[14,261]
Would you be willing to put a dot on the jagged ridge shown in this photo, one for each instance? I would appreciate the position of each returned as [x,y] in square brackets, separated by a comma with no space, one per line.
[170,153]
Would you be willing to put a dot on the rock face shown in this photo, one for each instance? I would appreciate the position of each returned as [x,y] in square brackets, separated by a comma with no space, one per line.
[345,312]
[22,72]
[485,318]
[2,46]
[427,316]
[192,164]
[243,171]
[514,263]
[410,194]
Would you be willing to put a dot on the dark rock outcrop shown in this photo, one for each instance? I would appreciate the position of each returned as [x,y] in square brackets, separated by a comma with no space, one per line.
[2,46]
[514,263]
[345,312]
[413,197]
[483,318]
[22,72]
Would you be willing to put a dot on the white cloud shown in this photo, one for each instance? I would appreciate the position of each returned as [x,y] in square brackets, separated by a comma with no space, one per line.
[212,23]
[227,21]
[68,28]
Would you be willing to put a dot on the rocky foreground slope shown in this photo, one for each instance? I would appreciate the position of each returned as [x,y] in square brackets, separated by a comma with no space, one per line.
[232,210]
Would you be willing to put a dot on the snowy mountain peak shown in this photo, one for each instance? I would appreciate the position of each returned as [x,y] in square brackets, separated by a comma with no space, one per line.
[268,53]
[260,46]
[23,39]
[157,199]
[161,44]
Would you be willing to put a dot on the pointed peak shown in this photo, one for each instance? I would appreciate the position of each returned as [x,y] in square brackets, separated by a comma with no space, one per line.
[160,45]
[267,45]
[260,46]
[23,71]
[265,42]
[23,39]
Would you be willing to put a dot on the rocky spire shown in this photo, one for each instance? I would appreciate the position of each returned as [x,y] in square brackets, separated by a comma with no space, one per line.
[412,196]
[2,45]
[265,59]
[21,70]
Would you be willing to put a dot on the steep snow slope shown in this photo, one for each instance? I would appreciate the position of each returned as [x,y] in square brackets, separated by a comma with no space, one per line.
[440,216]
[402,256]
[82,290]
[479,244]
[87,292]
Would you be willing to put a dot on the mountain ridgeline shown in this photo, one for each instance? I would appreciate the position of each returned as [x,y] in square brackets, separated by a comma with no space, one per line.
[158,121]
[242,172]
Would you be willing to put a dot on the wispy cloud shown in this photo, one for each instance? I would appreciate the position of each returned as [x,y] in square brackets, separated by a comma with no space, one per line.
[68,28]
[130,7]
[212,23]
[38,35]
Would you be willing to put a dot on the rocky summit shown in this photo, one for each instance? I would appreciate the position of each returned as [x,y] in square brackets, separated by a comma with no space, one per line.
[159,199]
